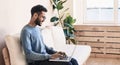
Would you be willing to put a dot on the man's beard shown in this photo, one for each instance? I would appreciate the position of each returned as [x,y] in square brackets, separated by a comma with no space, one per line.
[37,22]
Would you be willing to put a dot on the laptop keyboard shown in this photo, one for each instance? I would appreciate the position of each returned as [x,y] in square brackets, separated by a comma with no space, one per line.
[65,58]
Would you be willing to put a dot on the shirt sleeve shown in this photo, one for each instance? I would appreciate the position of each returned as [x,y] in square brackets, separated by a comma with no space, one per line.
[50,50]
[26,43]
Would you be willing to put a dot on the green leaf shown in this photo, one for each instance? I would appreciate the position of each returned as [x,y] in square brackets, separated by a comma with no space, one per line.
[69,19]
[71,31]
[53,19]
[68,25]
[54,6]
[55,1]
[66,32]
[59,5]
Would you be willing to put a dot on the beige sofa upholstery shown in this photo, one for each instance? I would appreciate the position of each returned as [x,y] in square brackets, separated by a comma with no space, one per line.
[6,56]
[53,37]
[16,54]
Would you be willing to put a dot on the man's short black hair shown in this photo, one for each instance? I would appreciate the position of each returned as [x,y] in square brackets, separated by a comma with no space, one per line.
[37,9]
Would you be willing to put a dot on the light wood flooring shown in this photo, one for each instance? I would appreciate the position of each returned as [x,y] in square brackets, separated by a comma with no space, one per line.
[102,61]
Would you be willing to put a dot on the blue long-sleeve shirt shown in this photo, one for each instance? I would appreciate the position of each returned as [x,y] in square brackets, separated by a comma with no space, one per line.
[33,44]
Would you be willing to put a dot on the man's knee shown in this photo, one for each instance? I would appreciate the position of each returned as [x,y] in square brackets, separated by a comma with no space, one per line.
[68,63]
[74,61]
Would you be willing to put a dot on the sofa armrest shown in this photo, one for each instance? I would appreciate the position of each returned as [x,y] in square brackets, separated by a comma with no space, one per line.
[82,53]
[6,56]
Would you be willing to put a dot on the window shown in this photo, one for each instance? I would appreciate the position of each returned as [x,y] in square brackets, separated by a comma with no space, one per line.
[99,11]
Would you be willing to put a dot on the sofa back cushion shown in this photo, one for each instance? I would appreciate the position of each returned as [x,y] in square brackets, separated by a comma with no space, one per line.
[17,56]
[47,37]
[58,37]
[54,37]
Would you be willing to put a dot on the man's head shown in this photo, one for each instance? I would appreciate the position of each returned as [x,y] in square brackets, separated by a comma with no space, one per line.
[38,13]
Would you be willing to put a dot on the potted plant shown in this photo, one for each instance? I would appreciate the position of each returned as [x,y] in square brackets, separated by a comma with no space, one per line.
[64,19]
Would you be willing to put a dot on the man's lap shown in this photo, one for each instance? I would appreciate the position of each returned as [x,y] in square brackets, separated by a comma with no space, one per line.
[47,62]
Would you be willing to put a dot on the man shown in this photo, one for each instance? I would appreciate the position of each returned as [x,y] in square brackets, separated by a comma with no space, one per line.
[37,53]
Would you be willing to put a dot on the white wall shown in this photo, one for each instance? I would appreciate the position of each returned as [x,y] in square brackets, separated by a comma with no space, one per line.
[14,14]
[20,12]
[69,4]
[78,11]
[3,23]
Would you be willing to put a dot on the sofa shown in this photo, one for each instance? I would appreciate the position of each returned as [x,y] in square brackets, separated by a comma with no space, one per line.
[53,37]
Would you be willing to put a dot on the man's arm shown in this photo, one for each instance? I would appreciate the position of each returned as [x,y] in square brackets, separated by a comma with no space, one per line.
[26,42]
[54,53]
[50,50]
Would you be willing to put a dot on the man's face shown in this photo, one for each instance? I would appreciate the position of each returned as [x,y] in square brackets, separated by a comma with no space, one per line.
[40,19]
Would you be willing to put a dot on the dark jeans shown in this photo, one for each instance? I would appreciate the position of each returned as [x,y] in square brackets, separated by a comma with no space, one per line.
[46,62]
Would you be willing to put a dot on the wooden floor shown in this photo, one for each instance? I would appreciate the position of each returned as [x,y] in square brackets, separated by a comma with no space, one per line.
[102,61]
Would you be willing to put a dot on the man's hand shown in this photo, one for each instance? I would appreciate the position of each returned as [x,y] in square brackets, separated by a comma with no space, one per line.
[56,55]
[63,54]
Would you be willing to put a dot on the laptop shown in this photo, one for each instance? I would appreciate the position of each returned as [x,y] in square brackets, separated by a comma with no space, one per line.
[65,59]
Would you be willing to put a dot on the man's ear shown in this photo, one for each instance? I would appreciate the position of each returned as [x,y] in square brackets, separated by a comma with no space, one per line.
[35,15]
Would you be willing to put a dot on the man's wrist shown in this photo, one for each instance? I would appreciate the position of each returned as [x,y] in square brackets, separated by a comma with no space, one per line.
[49,56]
